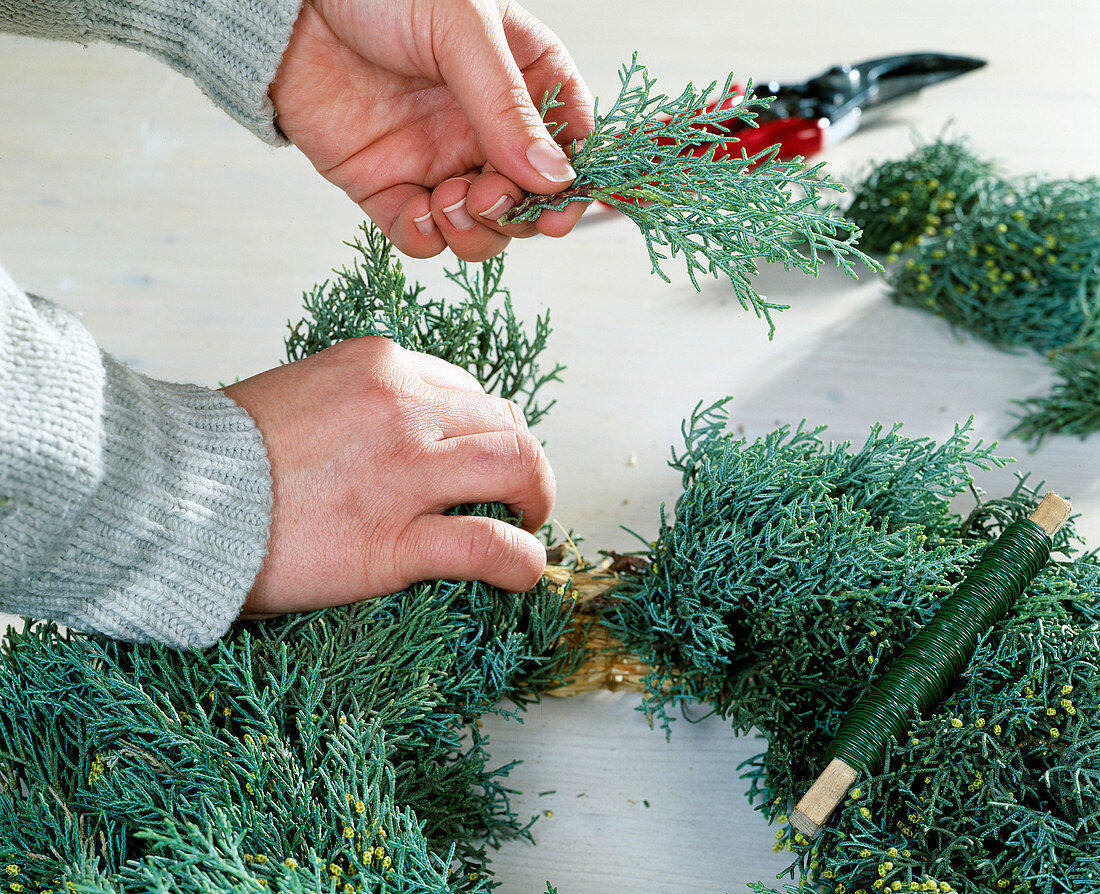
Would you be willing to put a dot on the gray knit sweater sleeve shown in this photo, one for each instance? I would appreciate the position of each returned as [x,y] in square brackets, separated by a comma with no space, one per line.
[129,507]
[230,48]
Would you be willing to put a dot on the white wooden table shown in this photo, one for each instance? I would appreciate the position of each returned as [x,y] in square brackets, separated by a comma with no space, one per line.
[186,244]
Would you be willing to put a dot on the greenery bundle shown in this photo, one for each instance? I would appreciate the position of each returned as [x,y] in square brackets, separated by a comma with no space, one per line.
[1014,260]
[1073,405]
[792,574]
[480,333]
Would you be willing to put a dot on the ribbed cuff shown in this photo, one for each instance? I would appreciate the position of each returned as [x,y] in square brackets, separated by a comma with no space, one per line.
[175,534]
[230,48]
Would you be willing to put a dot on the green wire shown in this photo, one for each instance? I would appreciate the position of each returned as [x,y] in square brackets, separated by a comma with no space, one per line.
[919,678]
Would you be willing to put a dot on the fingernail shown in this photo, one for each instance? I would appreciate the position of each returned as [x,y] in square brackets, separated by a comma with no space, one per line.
[424,224]
[550,161]
[499,208]
[458,215]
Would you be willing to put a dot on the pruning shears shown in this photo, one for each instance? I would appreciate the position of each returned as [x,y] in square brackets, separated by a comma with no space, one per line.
[807,117]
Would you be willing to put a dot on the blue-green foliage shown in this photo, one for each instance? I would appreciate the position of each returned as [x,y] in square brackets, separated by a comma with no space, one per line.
[479,333]
[793,572]
[329,751]
[901,202]
[671,164]
[1015,260]
[772,542]
[1073,405]
[1021,267]
[138,759]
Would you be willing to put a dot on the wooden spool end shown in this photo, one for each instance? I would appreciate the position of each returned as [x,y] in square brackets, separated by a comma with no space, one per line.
[1051,513]
[818,804]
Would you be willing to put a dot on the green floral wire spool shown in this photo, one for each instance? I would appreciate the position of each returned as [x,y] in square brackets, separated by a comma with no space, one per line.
[919,678]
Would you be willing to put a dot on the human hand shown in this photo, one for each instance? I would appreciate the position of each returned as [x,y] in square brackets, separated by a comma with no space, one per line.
[370,444]
[421,110]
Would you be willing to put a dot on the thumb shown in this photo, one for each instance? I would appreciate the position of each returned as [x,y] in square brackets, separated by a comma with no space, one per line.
[479,69]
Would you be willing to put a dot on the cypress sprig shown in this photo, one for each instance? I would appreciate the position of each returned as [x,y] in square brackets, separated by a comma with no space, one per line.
[663,162]
[479,332]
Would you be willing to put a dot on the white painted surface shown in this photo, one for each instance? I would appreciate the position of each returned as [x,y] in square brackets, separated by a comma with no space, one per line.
[186,244]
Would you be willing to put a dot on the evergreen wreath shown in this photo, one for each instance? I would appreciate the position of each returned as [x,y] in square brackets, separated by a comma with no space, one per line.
[337,750]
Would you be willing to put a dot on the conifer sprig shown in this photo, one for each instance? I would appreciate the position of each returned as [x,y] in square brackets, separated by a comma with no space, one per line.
[480,332]
[661,162]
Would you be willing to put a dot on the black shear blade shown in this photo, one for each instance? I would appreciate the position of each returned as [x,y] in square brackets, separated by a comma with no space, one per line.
[859,88]
[895,77]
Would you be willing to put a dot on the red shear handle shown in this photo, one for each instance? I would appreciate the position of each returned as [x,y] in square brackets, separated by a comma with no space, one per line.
[795,136]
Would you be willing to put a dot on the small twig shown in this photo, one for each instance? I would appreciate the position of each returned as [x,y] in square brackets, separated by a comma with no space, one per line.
[547,203]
